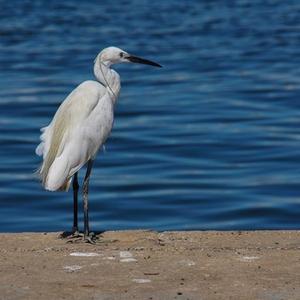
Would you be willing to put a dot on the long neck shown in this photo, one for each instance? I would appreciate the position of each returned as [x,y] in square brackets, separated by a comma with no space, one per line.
[108,77]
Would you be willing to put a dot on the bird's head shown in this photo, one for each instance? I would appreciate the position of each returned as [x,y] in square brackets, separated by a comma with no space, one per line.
[114,55]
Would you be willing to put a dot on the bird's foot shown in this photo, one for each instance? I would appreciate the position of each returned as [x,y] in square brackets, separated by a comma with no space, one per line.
[73,236]
[90,238]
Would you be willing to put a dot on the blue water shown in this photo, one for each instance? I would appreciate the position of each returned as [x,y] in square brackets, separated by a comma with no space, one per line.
[210,141]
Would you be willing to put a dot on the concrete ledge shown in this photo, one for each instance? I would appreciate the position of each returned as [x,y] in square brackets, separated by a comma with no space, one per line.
[150,265]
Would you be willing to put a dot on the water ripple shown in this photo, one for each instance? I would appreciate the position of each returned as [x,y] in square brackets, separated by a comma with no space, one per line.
[210,141]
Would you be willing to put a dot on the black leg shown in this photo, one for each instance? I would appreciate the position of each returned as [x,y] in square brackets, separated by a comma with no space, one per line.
[87,236]
[75,203]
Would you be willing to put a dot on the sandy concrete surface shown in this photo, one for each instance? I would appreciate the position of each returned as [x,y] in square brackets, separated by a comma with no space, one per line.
[151,265]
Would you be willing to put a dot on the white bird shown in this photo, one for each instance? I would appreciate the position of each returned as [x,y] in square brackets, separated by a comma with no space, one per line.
[79,128]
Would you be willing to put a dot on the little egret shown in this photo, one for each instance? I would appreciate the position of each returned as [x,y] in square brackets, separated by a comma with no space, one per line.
[79,128]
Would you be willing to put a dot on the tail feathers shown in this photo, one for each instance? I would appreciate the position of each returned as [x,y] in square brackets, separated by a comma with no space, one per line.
[52,185]
[65,187]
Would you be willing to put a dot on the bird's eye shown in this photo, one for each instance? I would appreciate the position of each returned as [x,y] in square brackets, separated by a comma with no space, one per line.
[121,54]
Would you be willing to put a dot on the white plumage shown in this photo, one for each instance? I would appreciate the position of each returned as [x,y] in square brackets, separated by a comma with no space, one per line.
[81,126]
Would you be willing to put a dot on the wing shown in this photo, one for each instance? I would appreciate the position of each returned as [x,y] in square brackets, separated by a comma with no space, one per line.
[65,143]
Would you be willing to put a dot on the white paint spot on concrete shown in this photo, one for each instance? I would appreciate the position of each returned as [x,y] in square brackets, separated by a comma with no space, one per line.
[129,259]
[249,258]
[141,280]
[125,254]
[95,265]
[84,254]
[73,268]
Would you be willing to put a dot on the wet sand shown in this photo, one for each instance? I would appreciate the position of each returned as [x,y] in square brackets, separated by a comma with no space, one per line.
[150,265]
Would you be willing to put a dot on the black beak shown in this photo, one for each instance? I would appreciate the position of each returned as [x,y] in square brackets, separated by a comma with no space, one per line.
[138,60]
